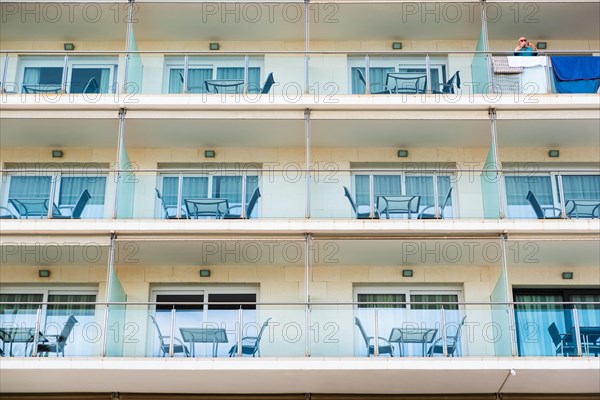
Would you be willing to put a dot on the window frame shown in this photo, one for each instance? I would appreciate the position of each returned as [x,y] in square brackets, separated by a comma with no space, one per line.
[112,63]
[554,188]
[57,178]
[209,62]
[397,63]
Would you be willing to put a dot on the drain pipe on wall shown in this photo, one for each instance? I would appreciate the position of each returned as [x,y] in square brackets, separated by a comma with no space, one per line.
[512,372]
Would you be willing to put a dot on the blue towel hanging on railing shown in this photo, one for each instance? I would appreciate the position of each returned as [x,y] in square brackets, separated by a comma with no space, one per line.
[576,74]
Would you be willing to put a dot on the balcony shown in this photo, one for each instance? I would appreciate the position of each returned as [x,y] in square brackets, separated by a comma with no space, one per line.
[411,328]
[325,77]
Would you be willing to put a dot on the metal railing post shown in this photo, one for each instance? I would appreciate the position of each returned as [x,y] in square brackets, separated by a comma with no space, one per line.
[244,184]
[444,334]
[561,196]
[179,195]
[375,334]
[246,69]
[186,61]
[367,75]
[371,197]
[65,74]
[240,331]
[427,74]
[436,200]
[172,332]
[51,196]
[577,331]
[36,333]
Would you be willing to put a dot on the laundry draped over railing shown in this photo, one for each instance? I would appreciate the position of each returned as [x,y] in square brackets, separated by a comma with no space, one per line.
[576,74]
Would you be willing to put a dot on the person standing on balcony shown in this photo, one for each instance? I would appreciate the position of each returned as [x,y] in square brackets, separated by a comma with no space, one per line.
[524,48]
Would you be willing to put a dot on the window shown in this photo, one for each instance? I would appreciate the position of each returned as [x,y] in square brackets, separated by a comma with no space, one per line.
[202,69]
[403,184]
[84,74]
[381,66]
[546,190]
[31,188]
[416,308]
[203,187]
[533,320]
[53,316]
[203,313]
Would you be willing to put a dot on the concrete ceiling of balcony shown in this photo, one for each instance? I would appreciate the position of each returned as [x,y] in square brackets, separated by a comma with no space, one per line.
[165,21]
[376,252]
[54,132]
[272,133]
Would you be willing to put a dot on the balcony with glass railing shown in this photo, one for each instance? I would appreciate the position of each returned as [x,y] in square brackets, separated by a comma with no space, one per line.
[248,192]
[410,328]
[323,76]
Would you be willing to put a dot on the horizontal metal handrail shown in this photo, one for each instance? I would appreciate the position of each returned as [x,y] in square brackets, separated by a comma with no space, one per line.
[298,52]
[211,171]
[320,303]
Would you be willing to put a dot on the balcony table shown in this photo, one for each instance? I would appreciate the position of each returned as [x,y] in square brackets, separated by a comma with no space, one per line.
[214,208]
[582,208]
[397,204]
[400,83]
[20,335]
[204,335]
[412,335]
[232,86]
[590,339]
[42,88]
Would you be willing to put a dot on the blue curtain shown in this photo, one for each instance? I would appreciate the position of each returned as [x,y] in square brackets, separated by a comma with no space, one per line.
[516,193]
[383,185]
[377,79]
[238,73]
[31,187]
[193,188]
[533,321]
[581,187]
[72,187]
[196,78]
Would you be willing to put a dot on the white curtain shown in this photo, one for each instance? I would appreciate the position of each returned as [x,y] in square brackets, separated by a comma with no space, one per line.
[72,187]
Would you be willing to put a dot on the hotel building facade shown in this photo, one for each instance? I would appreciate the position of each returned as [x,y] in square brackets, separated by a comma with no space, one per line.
[377,197]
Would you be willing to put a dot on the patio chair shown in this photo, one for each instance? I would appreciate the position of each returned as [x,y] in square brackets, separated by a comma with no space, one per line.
[249,208]
[178,347]
[170,211]
[268,84]
[540,211]
[92,86]
[76,210]
[450,85]
[5,213]
[386,348]
[362,78]
[361,214]
[250,344]
[425,214]
[563,343]
[59,341]
[452,343]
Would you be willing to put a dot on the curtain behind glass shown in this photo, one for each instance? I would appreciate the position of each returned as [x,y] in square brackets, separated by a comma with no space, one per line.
[377,78]
[76,308]
[72,187]
[516,194]
[176,80]
[415,299]
[581,187]
[422,186]
[589,314]
[29,187]
[533,321]
[230,187]
[238,73]
[385,297]
[383,185]
[194,187]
